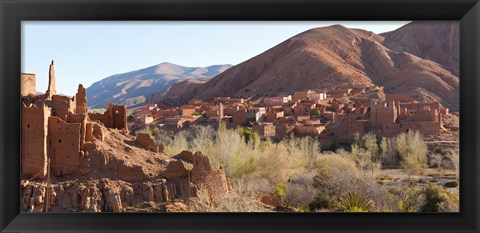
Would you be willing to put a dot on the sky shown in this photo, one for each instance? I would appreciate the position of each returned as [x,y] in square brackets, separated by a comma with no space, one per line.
[88,51]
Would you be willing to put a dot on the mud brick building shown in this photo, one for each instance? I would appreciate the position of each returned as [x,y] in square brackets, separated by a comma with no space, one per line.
[56,127]
[264,130]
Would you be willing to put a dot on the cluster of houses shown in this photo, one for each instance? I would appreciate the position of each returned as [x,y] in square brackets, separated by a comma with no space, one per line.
[329,115]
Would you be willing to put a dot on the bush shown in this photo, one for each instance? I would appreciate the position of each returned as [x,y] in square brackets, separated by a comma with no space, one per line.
[451,184]
[244,199]
[411,199]
[335,165]
[338,175]
[300,190]
[354,202]
[280,190]
[322,201]
[438,199]
[273,163]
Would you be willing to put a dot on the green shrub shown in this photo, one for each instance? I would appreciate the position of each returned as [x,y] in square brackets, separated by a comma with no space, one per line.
[279,189]
[303,208]
[452,184]
[438,199]
[248,134]
[354,202]
[322,201]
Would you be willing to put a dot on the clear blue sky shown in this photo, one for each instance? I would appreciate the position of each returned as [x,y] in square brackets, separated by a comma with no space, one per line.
[86,52]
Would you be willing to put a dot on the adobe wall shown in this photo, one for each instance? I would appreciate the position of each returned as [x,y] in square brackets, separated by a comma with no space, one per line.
[419,106]
[28,84]
[239,117]
[425,128]
[114,117]
[97,117]
[389,129]
[89,132]
[354,127]
[34,140]
[271,116]
[119,117]
[337,106]
[422,115]
[61,106]
[177,169]
[308,130]
[287,110]
[300,95]
[213,180]
[265,130]
[146,141]
[282,131]
[187,111]
[230,110]
[381,113]
[80,118]
[64,146]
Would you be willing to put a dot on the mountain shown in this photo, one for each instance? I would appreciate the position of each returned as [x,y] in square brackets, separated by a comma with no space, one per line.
[335,56]
[439,42]
[176,92]
[132,88]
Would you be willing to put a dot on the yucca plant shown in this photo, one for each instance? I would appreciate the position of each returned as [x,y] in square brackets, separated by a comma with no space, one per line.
[354,202]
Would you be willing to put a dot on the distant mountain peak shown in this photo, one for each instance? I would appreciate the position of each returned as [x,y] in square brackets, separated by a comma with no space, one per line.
[132,88]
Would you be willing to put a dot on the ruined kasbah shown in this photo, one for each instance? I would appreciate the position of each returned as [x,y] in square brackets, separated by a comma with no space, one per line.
[332,116]
[74,160]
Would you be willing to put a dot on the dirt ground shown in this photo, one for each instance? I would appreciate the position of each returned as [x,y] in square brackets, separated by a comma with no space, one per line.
[395,177]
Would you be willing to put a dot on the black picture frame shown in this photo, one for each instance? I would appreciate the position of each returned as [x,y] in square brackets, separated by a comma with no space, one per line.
[12,12]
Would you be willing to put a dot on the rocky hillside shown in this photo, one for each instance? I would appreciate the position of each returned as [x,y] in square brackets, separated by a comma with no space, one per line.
[176,92]
[439,42]
[335,55]
[117,174]
[132,88]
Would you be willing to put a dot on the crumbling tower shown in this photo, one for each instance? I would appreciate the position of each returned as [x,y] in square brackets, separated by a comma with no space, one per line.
[51,82]
[81,100]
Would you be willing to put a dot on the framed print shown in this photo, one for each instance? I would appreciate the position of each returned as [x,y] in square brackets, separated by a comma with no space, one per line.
[239,116]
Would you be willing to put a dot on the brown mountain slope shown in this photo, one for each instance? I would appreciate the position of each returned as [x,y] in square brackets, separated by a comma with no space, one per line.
[176,93]
[439,42]
[332,56]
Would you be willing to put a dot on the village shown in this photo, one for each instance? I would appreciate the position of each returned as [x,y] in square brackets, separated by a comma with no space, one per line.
[331,115]
[75,159]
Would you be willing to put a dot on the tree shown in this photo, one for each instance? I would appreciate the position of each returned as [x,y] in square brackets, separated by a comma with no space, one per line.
[249,135]
[365,151]
[388,151]
[413,152]
[454,156]
[361,157]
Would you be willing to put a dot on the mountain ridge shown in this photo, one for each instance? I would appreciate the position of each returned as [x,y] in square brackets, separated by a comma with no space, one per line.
[132,88]
[334,56]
